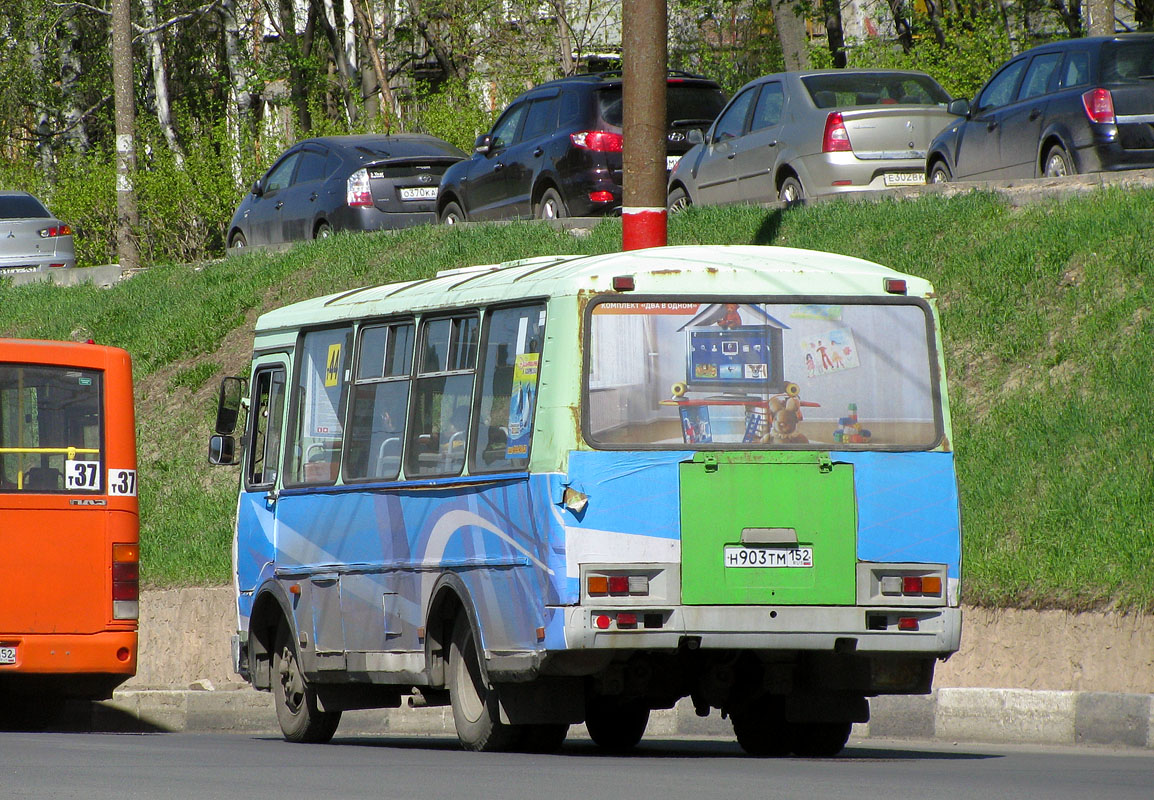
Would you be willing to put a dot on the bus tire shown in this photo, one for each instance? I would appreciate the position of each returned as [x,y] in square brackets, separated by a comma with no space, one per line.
[543,738]
[615,725]
[820,739]
[476,707]
[761,729]
[300,718]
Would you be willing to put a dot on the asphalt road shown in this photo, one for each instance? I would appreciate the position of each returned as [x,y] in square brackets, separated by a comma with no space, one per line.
[178,766]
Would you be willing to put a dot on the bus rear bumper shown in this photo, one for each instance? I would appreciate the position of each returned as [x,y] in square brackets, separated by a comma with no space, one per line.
[110,652]
[881,629]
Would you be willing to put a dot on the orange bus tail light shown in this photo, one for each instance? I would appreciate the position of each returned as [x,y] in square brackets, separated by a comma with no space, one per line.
[125,581]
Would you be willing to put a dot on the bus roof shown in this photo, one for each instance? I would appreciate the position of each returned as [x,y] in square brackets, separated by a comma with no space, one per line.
[702,270]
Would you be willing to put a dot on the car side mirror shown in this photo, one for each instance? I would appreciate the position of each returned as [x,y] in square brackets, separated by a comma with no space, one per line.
[483,144]
[959,107]
[694,136]
[257,187]
[228,405]
[222,450]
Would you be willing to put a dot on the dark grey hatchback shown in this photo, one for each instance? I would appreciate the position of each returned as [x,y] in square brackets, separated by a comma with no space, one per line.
[344,183]
[1079,105]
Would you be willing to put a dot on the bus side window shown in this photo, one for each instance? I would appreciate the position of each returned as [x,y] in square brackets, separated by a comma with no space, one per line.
[321,391]
[509,364]
[380,402]
[268,409]
[442,397]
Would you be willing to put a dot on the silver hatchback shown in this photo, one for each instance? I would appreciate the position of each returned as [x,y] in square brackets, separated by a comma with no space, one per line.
[802,134]
[31,239]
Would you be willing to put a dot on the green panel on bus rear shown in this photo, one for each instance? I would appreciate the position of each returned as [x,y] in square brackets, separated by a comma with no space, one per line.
[768,528]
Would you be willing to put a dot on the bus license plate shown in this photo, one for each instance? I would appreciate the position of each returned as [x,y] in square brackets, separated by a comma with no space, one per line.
[905,178]
[769,557]
[7,655]
[419,193]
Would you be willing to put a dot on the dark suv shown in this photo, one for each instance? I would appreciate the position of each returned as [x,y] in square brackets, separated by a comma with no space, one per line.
[556,150]
[1080,105]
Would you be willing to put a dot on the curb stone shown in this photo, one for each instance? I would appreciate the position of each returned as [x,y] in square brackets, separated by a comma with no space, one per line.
[991,716]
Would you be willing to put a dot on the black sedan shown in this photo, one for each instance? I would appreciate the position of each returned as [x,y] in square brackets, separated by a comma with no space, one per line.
[344,183]
[1079,105]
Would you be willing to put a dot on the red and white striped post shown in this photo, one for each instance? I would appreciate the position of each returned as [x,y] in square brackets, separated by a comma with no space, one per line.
[644,55]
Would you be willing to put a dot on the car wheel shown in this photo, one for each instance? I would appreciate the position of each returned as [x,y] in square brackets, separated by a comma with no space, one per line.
[940,173]
[452,214]
[297,711]
[790,191]
[551,206]
[1057,163]
[678,200]
[323,231]
[238,242]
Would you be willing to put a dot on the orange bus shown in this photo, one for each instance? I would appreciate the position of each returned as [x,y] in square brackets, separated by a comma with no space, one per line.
[69,524]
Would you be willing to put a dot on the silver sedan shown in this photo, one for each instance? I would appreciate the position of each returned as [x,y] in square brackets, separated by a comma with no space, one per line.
[31,238]
[793,135]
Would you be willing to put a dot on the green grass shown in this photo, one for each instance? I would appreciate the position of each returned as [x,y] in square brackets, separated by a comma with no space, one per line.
[1046,321]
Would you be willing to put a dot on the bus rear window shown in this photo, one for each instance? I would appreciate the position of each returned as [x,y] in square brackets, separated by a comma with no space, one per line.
[50,431]
[842,375]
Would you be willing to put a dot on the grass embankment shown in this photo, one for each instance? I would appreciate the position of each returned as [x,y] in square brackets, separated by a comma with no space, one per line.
[1046,321]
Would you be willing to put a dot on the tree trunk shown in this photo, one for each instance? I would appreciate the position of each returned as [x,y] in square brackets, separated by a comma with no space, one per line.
[388,104]
[902,25]
[834,33]
[71,68]
[1100,17]
[934,12]
[155,42]
[791,33]
[240,113]
[564,38]
[127,216]
[298,78]
[331,23]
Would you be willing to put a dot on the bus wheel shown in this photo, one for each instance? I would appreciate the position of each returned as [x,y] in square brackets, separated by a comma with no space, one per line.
[820,739]
[300,718]
[761,729]
[476,710]
[543,738]
[615,725]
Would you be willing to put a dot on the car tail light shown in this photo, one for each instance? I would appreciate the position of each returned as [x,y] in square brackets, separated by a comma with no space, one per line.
[125,581]
[357,191]
[54,231]
[598,141]
[1099,105]
[836,137]
[601,196]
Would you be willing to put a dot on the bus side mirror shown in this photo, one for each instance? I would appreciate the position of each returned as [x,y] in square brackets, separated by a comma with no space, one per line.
[228,407]
[222,450]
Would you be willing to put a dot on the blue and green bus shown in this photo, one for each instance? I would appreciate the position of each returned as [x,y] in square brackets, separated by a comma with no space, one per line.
[578,489]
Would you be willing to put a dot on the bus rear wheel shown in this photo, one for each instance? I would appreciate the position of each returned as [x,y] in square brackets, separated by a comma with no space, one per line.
[761,729]
[820,739]
[476,707]
[615,725]
[297,711]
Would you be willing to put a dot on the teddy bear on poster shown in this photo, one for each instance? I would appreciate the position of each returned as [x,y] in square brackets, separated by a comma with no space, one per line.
[785,414]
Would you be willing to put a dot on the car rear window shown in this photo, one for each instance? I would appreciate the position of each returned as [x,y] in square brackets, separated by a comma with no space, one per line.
[22,207]
[683,103]
[402,171]
[872,89]
[1128,62]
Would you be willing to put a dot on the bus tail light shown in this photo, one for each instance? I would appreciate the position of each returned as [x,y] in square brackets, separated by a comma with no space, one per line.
[125,581]
[617,585]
